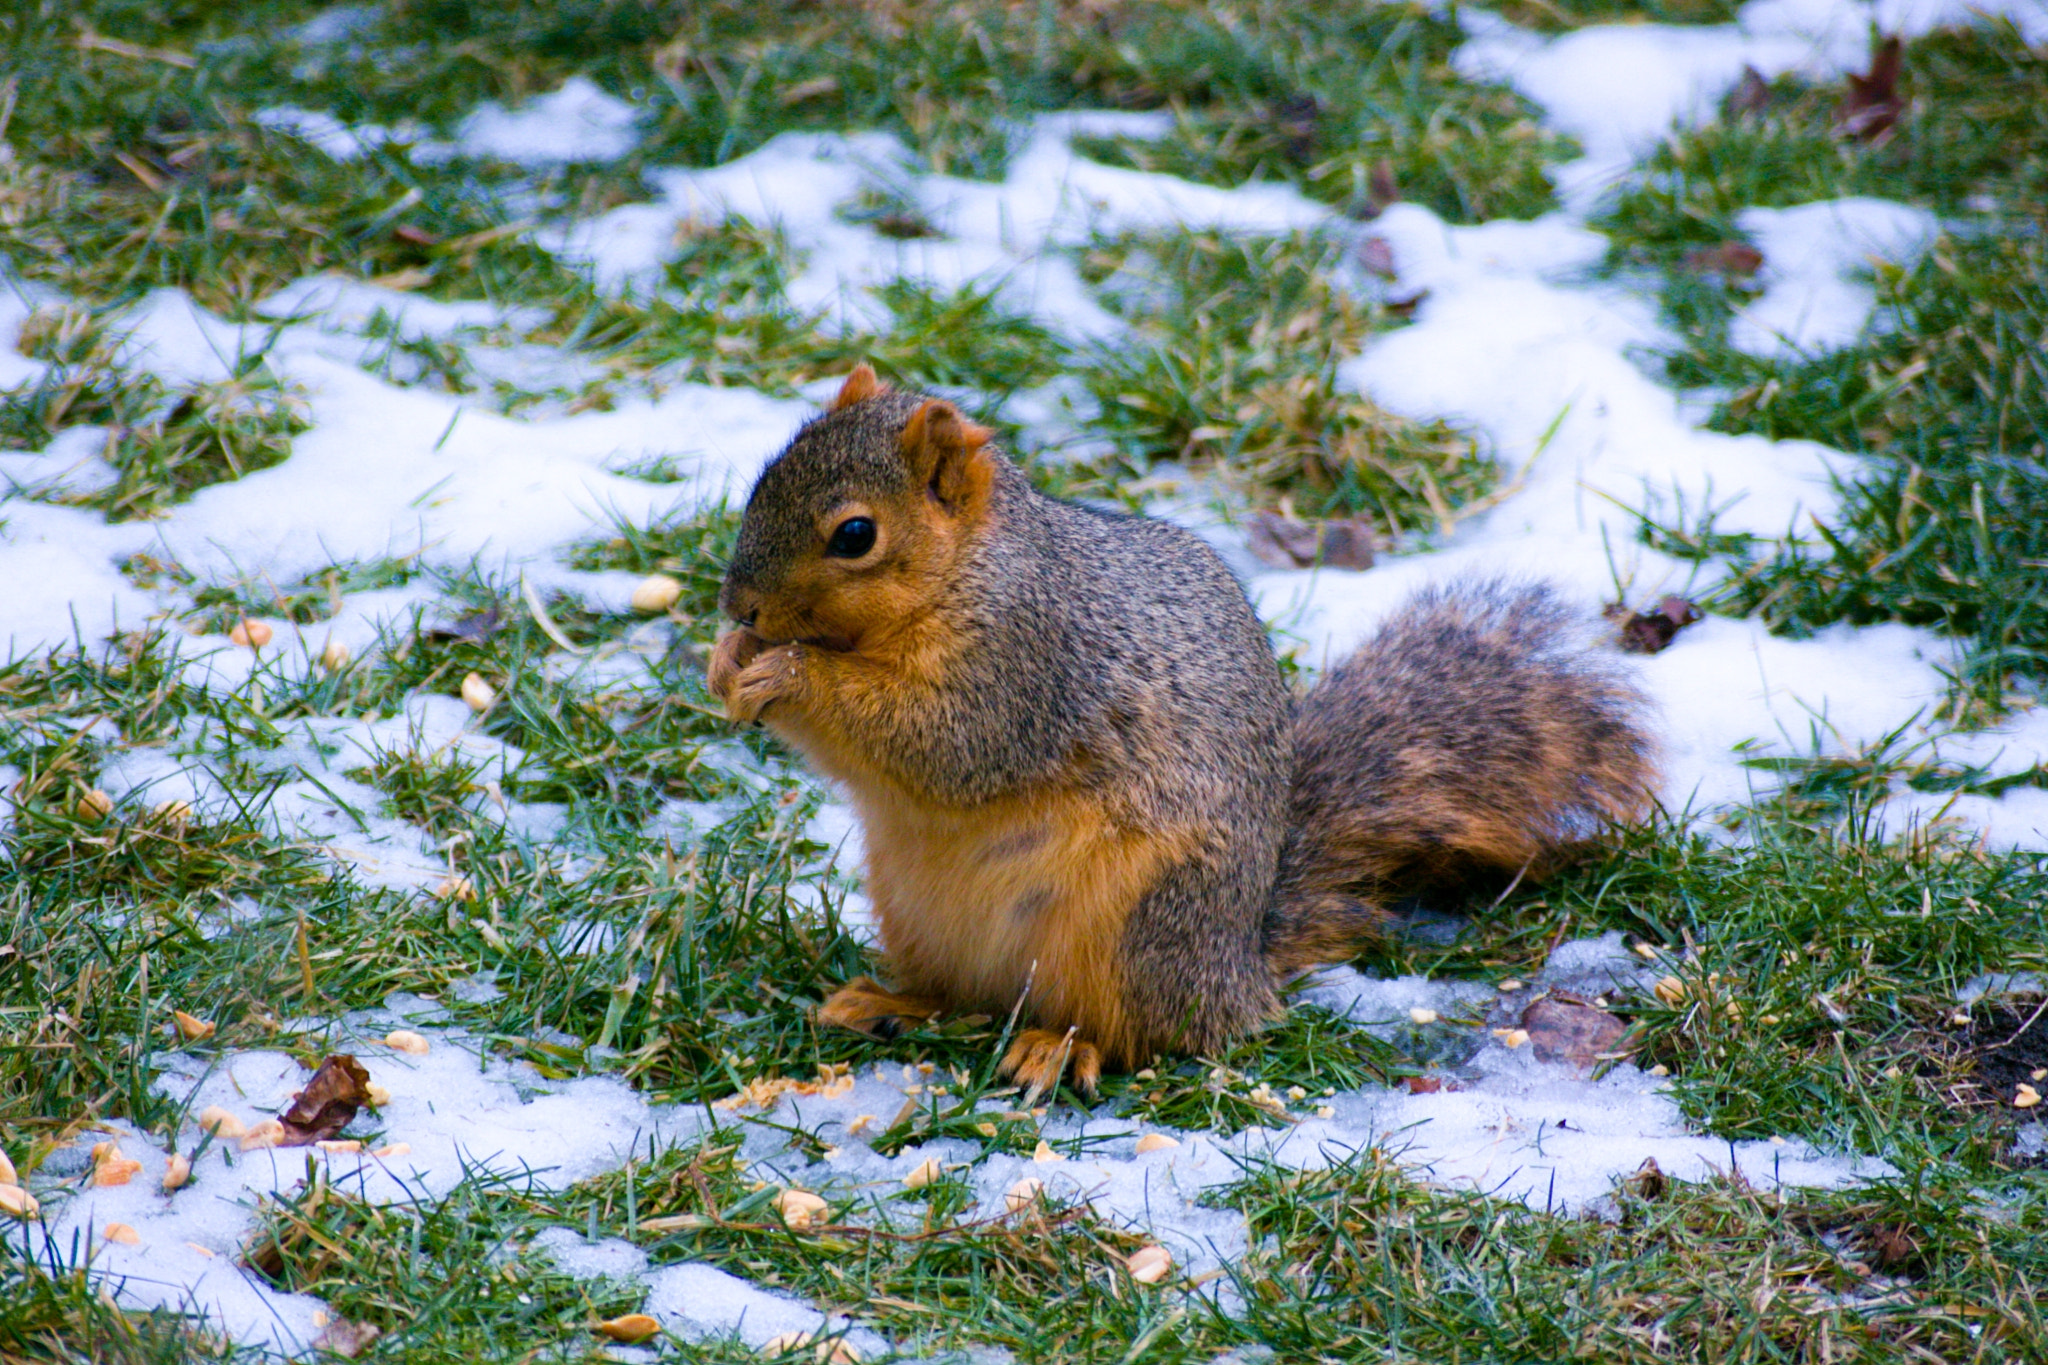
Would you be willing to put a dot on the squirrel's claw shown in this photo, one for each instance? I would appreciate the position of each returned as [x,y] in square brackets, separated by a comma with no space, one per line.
[865,1007]
[1038,1056]
[749,677]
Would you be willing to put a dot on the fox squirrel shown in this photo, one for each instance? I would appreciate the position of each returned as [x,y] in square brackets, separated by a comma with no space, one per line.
[1082,782]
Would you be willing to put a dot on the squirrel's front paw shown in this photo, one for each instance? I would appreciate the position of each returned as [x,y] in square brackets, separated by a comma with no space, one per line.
[733,652]
[748,674]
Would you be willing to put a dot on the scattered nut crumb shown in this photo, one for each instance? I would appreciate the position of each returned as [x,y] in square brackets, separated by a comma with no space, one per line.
[17,1202]
[1023,1194]
[177,1173]
[340,1146]
[632,1328]
[2026,1097]
[927,1171]
[1044,1152]
[800,1209]
[269,1133]
[190,1029]
[221,1123]
[406,1041]
[1511,985]
[95,805]
[1670,990]
[378,1095]
[122,1233]
[1150,1264]
[655,594]
[480,695]
[250,634]
[1422,1015]
[392,1149]
[334,656]
[1153,1142]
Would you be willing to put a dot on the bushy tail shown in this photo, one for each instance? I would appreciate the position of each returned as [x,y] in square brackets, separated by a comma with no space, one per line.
[1481,733]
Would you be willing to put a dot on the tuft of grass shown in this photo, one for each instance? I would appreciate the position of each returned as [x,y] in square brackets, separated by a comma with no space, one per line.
[1346,103]
[1944,519]
[1235,368]
[1359,1263]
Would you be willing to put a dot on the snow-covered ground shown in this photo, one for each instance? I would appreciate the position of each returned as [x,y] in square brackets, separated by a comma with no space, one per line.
[1514,337]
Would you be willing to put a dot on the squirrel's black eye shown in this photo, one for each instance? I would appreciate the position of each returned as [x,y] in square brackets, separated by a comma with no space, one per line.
[854,537]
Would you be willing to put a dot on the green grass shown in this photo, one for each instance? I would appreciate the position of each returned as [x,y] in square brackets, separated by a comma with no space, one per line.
[1940,523]
[1234,367]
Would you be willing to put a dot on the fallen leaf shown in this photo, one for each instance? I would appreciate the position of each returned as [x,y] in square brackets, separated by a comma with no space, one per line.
[347,1339]
[476,627]
[1873,104]
[1894,1246]
[1751,95]
[1734,259]
[1376,254]
[1286,543]
[327,1104]
[1649,632]
[1567,1031]
[1297,120]
[415,236]
[1381,189]
[1424,1085]
[1648,1182]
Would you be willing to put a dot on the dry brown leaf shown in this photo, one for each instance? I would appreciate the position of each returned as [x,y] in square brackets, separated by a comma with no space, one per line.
[1871,108]
[348,1339]
[1286,543]
[1733,259]
[1649,632]
[328,1102]
[1751,95]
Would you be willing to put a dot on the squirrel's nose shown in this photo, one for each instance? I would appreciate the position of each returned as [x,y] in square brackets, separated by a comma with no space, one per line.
[740,602]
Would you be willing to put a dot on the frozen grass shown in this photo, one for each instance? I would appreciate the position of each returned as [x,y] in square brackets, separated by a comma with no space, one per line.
[643,895]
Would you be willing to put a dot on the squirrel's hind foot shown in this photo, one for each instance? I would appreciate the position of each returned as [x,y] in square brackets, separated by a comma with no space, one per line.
[865,1007]
[1037,1058]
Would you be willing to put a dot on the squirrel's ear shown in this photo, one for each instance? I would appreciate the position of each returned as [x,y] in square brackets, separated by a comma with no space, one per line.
[859,385]
[949,455]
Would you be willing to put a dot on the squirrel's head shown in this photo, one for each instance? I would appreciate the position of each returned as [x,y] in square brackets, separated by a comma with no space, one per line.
[856,526]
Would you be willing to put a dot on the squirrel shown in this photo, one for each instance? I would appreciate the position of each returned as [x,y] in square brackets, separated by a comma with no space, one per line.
[1083,783]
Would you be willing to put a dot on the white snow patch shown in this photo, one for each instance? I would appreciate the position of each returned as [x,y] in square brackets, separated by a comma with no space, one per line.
[578,122]
[1816,256]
